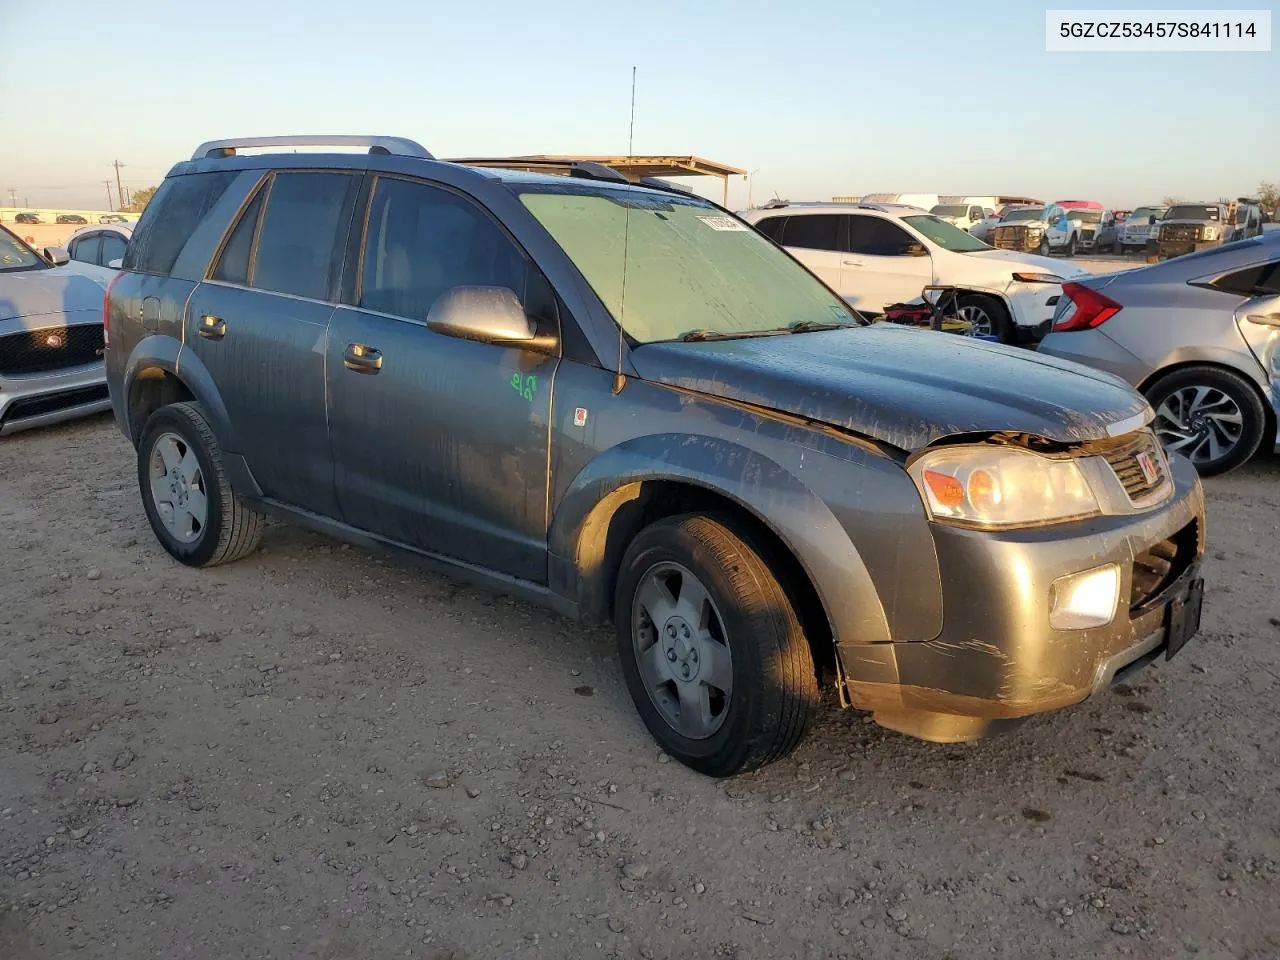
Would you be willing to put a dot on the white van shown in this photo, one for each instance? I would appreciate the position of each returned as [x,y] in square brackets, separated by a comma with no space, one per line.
[925,201]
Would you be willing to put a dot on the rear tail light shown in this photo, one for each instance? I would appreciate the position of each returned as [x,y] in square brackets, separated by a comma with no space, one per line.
[106,310]
[1084,309]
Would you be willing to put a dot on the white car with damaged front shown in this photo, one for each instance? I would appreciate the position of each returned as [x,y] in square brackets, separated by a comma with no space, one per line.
[876,255]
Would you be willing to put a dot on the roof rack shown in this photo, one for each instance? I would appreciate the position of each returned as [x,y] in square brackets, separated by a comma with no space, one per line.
[586,169]
[394,146]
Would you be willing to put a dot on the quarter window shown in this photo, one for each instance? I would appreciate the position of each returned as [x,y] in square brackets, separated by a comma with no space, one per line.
[772,228]
[422,241]
[113,248]
[303,232]
[1259,280]
[178,207]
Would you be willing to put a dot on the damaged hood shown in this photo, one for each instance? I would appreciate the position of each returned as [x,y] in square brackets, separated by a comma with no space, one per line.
[904,387]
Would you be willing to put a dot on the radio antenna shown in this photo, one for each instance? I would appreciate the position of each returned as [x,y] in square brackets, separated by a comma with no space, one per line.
[620,381]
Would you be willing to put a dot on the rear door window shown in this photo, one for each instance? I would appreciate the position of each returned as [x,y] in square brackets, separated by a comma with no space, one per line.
[875,237]
[178,207]
[819,231]
[303,233]
[422,240]
[87,249]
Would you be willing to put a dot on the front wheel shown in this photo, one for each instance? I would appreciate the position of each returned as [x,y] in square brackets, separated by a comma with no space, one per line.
[713,653]
[187,497]
[986,316]
[1044,246]
[1211,416]
[1071,246]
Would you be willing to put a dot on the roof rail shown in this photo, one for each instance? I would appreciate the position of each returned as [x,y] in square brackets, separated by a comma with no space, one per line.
[586,169]
[657,183]
[395,146]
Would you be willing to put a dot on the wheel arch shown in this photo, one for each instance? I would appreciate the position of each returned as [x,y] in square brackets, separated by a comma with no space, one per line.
[160,371]
[630,486]
[1216,360]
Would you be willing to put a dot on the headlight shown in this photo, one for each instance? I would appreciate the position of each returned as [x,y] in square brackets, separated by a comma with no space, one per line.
[991,486]
[1210,233]
[1035,228]
[1037,278]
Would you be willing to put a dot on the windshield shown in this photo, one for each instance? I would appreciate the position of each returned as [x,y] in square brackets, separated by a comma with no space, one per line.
[1030,213]
[1189,211]
[666,266]
[946,235]
[16,255]
[950,210]
[1085,216]
[1146,213]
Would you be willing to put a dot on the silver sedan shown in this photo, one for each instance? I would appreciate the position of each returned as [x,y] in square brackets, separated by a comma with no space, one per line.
[1199,335]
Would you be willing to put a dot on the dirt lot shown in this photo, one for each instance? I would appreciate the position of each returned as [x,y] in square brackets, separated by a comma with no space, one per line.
[319,753]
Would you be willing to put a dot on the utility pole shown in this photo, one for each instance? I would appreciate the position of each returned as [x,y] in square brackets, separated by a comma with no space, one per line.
[119,188]
[13,197]
[108,186]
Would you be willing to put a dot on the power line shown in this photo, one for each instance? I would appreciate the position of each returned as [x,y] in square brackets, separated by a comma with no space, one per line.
[119,189]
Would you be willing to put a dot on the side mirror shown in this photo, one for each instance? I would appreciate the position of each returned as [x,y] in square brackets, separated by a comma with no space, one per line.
[915,250]
[485,314]
[1151,219]
[56,256]
[115,264]
[1264,311]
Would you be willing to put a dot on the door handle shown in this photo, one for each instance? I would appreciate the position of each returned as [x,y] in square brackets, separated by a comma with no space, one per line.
[852,263]
[1265,319]
[362,358]
[213,328]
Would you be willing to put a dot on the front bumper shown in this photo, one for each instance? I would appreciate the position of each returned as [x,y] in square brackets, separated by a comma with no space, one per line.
[1031,307]
[42,399]
[997,658]
[1176,248]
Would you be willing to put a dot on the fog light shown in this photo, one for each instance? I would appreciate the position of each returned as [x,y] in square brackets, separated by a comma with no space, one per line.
[1085,599]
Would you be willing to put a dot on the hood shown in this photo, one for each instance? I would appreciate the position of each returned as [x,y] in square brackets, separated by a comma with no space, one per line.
[1015,260]
[67,289]
[904,387]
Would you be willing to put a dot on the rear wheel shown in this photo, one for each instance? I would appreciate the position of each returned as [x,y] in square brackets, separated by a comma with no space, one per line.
[713,653]
[188,499]
[1211,416]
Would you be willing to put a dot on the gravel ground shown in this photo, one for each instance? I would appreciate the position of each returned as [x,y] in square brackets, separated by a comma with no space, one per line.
[321,753]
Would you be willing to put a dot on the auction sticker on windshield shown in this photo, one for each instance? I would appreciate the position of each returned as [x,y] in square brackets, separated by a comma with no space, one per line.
[723,223]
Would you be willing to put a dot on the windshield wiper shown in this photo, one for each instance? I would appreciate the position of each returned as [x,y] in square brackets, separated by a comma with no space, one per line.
[809,326]
[701,334]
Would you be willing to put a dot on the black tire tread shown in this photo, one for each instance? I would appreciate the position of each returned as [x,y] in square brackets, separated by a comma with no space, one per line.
[1244,392]
[791,695]
[240,530]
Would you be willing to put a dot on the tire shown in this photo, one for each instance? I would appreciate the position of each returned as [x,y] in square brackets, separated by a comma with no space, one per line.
[998,317]
[770,668]
[1070,251]
[1173,398]
[1044,249]
[229,529]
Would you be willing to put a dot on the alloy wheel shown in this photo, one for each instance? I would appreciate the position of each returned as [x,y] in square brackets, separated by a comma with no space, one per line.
[1204,424]
[682,650]
[178,488]
[980,324]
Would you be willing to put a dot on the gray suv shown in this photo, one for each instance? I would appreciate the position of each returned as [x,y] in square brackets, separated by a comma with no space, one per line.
[623,402]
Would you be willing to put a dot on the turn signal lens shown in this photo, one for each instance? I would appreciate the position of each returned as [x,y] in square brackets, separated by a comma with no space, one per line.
[945,489]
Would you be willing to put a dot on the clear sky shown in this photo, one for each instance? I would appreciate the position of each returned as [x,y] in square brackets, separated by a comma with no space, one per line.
[822,97]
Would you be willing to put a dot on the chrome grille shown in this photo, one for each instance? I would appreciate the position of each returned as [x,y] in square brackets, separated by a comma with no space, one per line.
[1180,232]
[1127,456]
